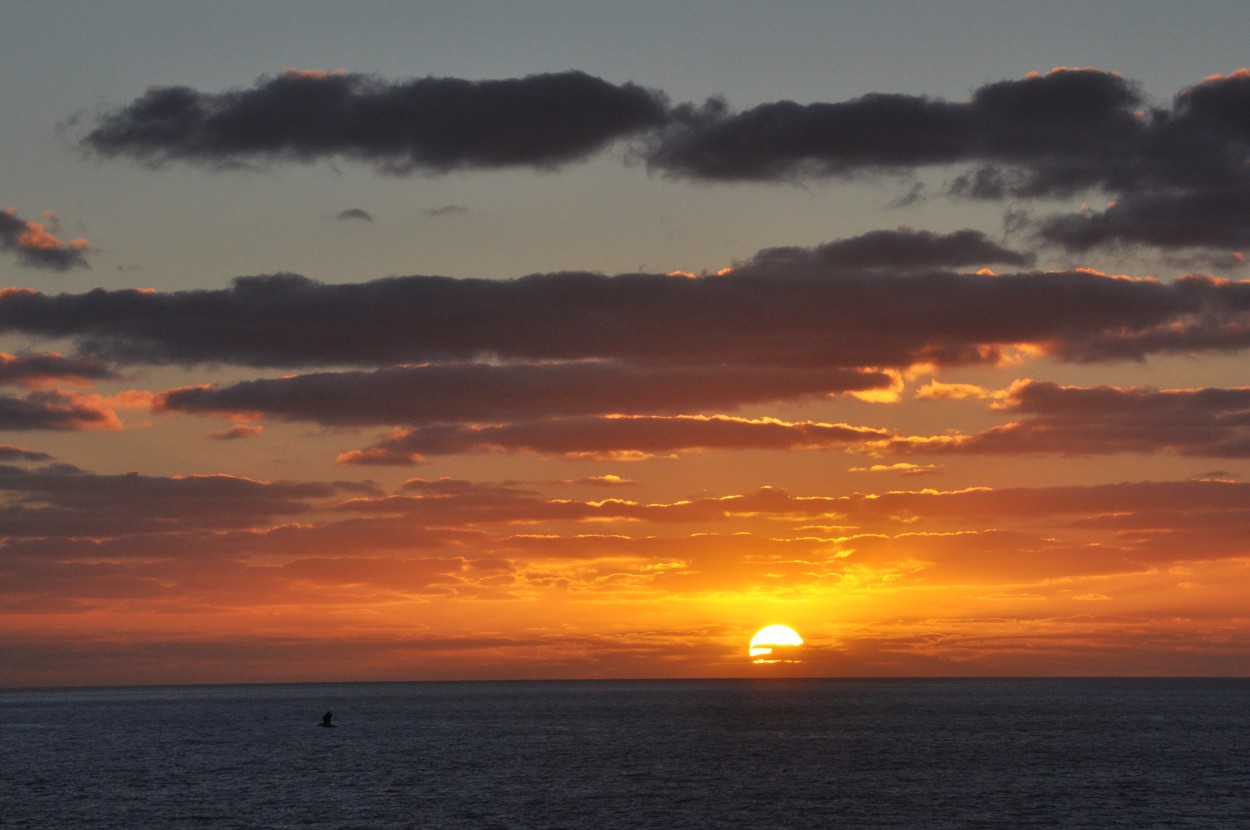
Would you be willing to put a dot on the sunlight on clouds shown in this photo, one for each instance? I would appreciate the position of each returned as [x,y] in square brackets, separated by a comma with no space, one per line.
[935,390]
[1093,512]
[892,394]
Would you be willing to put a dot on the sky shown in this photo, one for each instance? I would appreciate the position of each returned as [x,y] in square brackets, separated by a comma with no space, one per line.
[435,341]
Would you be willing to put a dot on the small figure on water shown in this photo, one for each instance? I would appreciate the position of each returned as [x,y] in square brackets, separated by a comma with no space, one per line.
[326,718]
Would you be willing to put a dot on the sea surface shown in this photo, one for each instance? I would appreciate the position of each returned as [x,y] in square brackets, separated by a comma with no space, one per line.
[922,754]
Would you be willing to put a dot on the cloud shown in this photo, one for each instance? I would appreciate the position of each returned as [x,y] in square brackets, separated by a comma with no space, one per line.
[484,392]
[936,390]
[37,246]
[1179,175]
[57,410]
[44,368]
[1218,215]
[354,213]
[453,501]
[800,309]
[1058,133]
[606,480]
[1216,501]
[902,467]
[898,250]
[432,125]
[64,501]
[445,210]
[613,436]
[80,542]
[236,432]
[1102,420]
[8,452]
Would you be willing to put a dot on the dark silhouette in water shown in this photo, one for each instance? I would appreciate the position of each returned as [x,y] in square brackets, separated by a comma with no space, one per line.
[325,719]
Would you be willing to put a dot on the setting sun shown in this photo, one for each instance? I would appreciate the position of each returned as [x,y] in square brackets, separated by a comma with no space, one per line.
[775,644]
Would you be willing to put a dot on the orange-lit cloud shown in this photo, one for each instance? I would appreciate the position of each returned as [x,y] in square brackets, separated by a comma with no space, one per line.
[149,542]
[36,245]
[937,391]
[903,467]
[1071,420]
[57,410]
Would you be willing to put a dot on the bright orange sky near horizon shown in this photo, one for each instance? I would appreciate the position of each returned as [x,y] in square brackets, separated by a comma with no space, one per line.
[515,371]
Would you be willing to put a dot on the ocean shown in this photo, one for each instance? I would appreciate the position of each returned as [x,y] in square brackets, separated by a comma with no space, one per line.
[1002,754]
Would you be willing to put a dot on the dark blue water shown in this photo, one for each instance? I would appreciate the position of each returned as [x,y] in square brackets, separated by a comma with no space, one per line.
[672,754]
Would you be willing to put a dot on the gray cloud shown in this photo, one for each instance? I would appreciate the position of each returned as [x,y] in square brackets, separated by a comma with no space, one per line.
[446,210]
[64,501]
[422,125]
[8,452]
[1179,175]
[897,250]
[44,367]
[1072,420]
[1059,132]
[489,392]
[1172,219]
[612,436]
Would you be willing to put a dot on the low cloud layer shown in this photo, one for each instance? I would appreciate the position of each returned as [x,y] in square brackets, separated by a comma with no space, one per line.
[76,535]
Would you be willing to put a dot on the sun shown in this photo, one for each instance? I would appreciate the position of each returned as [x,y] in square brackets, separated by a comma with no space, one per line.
[776,644]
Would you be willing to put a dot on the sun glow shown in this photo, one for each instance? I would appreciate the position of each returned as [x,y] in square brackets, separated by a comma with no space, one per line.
[775,644]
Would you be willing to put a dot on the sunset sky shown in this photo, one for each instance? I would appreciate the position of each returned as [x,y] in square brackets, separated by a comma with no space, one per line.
[416,341]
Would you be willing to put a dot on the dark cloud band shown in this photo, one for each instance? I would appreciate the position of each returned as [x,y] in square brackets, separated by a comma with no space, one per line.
[488,392]
[796,308]
[427,124]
